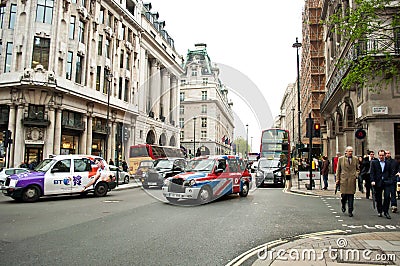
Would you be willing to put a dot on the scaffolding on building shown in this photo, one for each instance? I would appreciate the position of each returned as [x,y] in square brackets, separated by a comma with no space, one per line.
[312,77]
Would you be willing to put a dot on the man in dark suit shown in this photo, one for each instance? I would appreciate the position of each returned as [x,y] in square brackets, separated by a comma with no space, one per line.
[394,166]
[365,166]
[382,181]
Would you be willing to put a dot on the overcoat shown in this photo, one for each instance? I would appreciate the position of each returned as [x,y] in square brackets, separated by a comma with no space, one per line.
[346,174]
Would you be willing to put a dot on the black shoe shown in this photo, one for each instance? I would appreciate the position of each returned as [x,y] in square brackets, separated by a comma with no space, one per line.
[367,197]
[387,215]
[351,214]
[343,209]
[380,214]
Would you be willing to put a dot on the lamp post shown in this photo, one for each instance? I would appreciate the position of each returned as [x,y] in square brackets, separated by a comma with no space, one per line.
[247,141]
[109,76]
[293,123]
[251,144]
[297,45]
[194,136]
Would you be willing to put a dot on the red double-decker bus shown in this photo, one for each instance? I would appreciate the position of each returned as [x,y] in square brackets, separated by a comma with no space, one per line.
[275,144]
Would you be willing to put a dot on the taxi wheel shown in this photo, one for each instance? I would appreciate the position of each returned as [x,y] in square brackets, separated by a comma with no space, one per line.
[126,179]
[245,190]
[205,195]
[101,189]
[30,194]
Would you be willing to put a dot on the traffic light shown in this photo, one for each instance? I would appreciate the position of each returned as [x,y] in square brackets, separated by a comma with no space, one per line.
[126,134]
[317,130]
[309,127]
[7,138]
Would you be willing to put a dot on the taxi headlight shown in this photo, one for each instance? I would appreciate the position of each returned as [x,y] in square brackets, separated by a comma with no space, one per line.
[259,173]
[144,174]
[13,182]
[166,182]
[192,182]
[279,173]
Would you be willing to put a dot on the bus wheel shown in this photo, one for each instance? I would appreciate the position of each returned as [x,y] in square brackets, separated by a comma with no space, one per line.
[245,190]
[101,189]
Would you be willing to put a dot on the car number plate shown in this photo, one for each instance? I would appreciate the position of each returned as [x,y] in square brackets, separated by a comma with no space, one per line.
[152,184]
[174,195]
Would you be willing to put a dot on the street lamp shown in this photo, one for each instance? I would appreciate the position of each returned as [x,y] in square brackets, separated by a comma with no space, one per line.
[297,45]
[194,136]
[109,76]
[247,141]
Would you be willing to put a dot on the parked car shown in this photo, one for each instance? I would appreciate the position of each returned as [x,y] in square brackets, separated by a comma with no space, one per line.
[144,166]
[6,172]
[162,169]
[270,172]
[207,178]
[58,175]
[123,177]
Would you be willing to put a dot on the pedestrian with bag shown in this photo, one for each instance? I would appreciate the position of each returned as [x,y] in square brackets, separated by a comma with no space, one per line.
[348,169]
[382,179]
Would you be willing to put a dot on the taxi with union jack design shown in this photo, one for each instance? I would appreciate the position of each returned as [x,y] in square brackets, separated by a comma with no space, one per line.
[207,178]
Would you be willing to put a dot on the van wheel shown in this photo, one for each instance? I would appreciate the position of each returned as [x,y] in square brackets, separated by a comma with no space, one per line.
[31,194]
[205,195]
[126,179]
[245,190]
[101,189]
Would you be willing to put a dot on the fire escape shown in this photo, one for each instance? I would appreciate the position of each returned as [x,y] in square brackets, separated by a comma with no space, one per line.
[312,64]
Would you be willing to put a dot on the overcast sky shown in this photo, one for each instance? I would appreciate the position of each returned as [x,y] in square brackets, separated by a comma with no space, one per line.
[252,37]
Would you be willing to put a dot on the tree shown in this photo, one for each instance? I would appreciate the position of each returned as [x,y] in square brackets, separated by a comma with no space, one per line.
[240,143]
[371,28]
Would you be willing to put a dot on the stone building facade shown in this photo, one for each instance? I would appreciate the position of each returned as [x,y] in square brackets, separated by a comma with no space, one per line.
[88,77]
[206,117]
[361,107]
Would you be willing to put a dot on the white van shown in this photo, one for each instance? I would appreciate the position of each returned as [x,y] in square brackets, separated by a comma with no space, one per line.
[61,174]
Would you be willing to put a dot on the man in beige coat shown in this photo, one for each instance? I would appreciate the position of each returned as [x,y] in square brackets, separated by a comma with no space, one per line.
[347,172]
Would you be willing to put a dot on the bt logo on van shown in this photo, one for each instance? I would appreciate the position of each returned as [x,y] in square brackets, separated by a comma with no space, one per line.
[67,181]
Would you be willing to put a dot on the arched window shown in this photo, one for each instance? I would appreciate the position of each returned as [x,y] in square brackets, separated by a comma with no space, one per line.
[349,112]
[339,119]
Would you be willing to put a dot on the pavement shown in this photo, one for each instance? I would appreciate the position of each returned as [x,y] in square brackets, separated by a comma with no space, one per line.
[333,247]
[328,248]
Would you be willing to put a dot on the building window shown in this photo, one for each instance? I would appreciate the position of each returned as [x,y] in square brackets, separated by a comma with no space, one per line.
[203,95]
[98,74]
[183,81]
[78,73]
[109,19]
[203,134]
[194,73]
[120,88]
[71,32]
[181,122]
[44,11]
[204,122]
[204,109]
[9,52]
[182,135]
[126,92]
[205,81]
[128,61]
[41,50]
[181,109]
[100,45]
[2,10]
[81,32]
[107,48]
[182,96]
[140,134]
[121,59]
[68,73]
[129,35]
[36,112]
[101,15]
[13,15]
